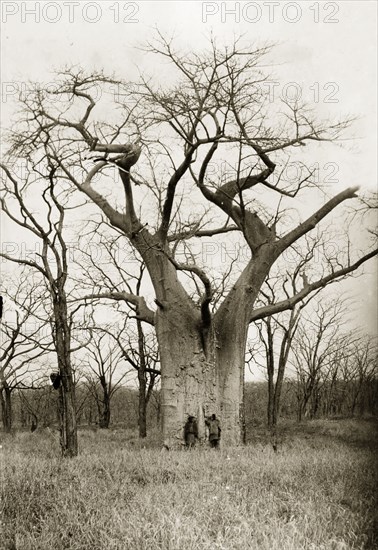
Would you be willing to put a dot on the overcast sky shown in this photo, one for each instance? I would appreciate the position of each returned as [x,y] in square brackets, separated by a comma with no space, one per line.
[327,49]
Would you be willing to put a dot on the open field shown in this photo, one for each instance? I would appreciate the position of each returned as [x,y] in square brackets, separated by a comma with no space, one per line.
[319,491]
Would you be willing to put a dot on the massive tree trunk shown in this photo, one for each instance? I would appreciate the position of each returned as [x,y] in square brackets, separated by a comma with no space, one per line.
[202,354]
[231,364]
[198,382]
[189,379]
[203,363]
[232,321]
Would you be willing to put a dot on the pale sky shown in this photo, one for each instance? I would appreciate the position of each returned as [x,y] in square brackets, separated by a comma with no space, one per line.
[327,49]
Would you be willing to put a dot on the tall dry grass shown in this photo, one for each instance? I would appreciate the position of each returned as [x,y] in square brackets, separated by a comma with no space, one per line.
[318,492]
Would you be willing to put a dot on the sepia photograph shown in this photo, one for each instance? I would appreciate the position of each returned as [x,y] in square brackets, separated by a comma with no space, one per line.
[188,275]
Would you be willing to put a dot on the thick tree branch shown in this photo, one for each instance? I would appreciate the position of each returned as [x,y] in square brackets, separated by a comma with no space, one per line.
[128,155]
[144,313]
[117,219]
[265,311]
[183,235]
[313,220]
[171,189]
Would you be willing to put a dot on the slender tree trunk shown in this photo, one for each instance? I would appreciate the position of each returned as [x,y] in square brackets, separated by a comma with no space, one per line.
[142,407]
[23,411]
[104,404]
[6,407]
[67,412]
[104,413]
[270,372]
[142,394]
[104,420]
[277,395]
[142,416]
[284,355]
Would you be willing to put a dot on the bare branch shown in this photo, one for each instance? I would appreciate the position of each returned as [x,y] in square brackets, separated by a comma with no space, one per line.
[265,311]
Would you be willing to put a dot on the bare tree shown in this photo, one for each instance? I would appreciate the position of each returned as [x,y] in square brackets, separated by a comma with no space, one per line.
[361,370]
[276,335]
[317,341]
[23,340]
[164,142]
[143,356]
[47,225]
[140,352]
[116,269]
[277,332]
[103,372]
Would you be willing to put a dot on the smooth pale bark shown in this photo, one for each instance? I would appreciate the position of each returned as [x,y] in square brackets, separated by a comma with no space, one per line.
[204,365]
[189,380]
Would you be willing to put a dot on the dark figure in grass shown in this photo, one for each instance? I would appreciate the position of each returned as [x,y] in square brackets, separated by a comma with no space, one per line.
[190,432]
[214,431]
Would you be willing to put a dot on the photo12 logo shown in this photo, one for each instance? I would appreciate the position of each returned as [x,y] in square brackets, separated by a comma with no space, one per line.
[69,12]
[17,89]
[255,12]
[12,90]
[293,92]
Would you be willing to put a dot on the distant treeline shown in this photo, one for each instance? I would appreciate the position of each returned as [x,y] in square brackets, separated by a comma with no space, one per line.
[336,398]
[37,408]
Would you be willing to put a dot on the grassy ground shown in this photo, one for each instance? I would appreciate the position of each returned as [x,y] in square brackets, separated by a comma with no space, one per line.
[319,491]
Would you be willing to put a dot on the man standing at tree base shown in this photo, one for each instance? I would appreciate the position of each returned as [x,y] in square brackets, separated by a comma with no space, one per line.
[214,431]
[190,432]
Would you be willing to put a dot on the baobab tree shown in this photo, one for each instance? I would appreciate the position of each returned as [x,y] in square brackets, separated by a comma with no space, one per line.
[168,142]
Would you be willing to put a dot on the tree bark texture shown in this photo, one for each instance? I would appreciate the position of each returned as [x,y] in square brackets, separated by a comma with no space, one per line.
[6,407]
[103,404]
[203,366]
[142,383]
[67,406]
